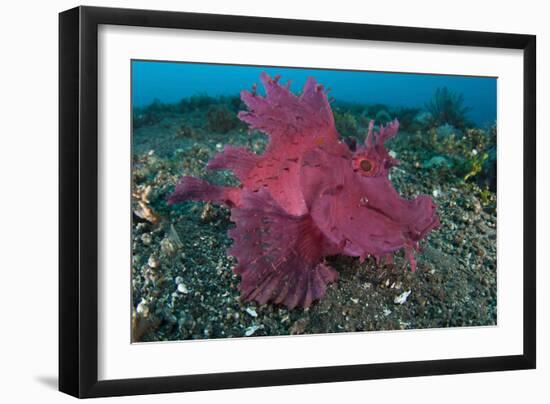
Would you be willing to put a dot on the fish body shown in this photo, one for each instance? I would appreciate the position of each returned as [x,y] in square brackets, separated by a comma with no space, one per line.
[308,196]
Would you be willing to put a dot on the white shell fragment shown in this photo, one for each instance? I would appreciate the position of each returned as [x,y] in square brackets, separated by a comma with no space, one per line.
[142,308]
[252,312]
[182,288]
[402,298]
[251,330]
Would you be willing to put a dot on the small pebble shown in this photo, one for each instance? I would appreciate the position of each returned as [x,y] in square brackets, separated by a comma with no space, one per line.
[146,238]
[404,325]
[153,262]
[182,288]
[299,326]
[167,248]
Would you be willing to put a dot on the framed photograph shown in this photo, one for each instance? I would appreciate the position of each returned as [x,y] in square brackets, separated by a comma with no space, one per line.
[251,201]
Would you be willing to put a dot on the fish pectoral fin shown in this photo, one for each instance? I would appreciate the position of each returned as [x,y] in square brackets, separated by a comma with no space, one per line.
[280,256]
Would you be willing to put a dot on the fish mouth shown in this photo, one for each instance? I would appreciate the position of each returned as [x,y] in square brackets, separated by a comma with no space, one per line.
[427,221]
[417,217]
[407,223]
[433,224]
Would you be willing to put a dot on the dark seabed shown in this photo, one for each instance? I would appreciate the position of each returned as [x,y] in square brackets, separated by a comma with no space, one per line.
[182,280]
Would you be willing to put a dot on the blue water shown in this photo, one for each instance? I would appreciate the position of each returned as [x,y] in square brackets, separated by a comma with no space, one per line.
[171,81]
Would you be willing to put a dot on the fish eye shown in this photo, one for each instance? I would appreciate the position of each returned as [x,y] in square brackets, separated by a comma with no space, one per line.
[365,165]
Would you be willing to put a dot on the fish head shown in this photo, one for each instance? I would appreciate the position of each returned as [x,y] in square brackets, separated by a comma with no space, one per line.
[354,203]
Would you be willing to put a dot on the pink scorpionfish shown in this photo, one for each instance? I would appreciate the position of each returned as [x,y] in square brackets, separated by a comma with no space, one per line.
[308,197]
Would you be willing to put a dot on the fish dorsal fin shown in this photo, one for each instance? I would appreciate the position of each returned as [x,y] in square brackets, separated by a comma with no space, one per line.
[290,120]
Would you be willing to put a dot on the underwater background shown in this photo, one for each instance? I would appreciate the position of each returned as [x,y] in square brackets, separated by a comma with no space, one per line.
[169,82]
[183,286]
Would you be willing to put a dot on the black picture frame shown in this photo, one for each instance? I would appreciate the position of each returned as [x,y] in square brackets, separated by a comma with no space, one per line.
[78,200]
